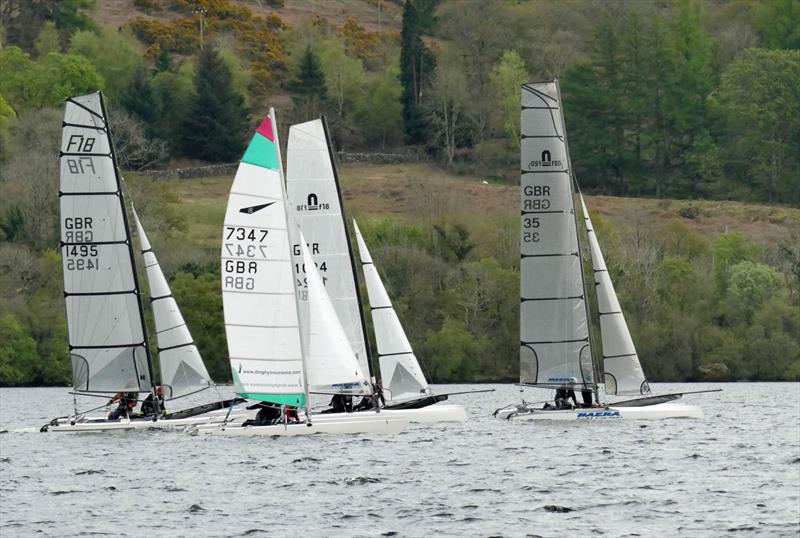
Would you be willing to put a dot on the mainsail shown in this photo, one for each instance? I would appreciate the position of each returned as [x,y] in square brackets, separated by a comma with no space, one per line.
[313,189]
[182,369]
[107,334]
[258,290]
[554,331]
[401,374]
[331,365]
[623,372]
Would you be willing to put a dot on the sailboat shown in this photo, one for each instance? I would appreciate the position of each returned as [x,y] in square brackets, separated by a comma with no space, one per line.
[108,336]
[313,188]
[556,348]
[279,352]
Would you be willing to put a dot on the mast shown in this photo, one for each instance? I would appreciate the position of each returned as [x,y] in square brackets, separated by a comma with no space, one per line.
[137,290]
[370,359]
[595,366]
[289,220]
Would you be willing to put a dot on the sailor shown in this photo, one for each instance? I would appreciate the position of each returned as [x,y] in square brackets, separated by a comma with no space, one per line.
[378,390]
[341,403]
[267,415]
[370,401]
[562,397]
[148,405]
[291,415]
[127,401]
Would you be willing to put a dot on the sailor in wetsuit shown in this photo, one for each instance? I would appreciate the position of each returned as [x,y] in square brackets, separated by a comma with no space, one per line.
[267,415]
[149,406]
[563,396]
[127,401]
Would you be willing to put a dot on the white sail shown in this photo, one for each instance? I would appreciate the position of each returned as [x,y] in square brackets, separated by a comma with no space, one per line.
[182,369]
[258,290]
[554,332]
[401,374]
[623,372]
[313,190]
[107,338]
[331,365]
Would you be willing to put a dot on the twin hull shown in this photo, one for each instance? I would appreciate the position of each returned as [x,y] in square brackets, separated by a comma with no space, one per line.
[650,412]
[100,424]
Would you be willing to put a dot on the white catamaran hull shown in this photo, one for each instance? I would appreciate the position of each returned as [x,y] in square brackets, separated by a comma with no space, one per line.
[650,412]
[424,415]
[341,425]
[100,424]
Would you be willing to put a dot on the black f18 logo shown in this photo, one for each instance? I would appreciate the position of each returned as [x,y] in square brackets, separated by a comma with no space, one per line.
[252,209]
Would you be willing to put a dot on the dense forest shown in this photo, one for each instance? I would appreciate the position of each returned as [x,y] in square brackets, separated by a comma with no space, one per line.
[687,99]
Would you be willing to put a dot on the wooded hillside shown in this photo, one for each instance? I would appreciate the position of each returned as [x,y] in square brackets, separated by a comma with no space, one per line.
[692,106]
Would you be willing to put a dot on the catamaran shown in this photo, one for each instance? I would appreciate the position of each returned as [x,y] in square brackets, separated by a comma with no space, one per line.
[315,194]
[556,348]
[108,337]
[279,350]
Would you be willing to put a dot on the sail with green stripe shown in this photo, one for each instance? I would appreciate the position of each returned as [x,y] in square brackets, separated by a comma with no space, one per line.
[258,289]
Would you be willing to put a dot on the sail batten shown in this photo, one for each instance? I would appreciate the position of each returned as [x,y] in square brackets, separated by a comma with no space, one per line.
[401,374]
[262,322]
[106,330]
[622,369]
[554,328]
[313,190]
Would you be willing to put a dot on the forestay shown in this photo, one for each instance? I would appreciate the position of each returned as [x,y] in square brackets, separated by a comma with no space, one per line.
[331,365]
[623,372]
[554,333]
[315,198]
[258,291]
[401,374]
[182,369]
[108,343]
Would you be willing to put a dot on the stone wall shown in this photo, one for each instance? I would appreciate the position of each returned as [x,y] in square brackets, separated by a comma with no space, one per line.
[229,169]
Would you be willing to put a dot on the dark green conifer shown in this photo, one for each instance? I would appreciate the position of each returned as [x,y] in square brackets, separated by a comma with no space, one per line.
[217,122]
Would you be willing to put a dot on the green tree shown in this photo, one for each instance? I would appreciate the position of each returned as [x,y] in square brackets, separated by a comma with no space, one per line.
[344,76]
[63,75]
[17,352]
[174,93]
[48,40]
[507,78]
[17,83]
[378,112]
[778,21]
[138,96]
[309,86]
[417,65]
[448,110]
[759,101]
[753,284]
[452,352]
[217,120]
[116,55]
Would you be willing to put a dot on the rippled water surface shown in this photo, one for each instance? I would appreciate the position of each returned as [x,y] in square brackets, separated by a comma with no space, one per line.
[737,472]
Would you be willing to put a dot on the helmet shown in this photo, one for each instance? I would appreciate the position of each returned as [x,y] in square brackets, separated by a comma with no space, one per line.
[159,391]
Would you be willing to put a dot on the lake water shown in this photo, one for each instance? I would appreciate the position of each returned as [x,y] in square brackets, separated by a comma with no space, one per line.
[736,472]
